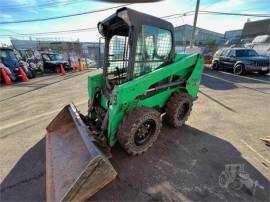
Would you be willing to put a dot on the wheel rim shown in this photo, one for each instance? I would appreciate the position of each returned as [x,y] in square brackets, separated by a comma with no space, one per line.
[183,110]
[144,132]
[223,180]
[214,65]
[238,70]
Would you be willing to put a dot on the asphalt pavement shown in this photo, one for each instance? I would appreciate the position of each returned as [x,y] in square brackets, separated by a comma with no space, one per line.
[194,163]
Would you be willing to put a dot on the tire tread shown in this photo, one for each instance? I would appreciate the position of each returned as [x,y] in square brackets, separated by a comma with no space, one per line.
[130,123]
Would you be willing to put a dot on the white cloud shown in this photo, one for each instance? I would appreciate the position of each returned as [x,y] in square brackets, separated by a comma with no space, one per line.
[27,2]
[162,8]
[28,5]
[6,17]
[225,6]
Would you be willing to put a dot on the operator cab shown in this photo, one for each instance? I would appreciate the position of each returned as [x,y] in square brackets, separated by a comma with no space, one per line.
[135,44]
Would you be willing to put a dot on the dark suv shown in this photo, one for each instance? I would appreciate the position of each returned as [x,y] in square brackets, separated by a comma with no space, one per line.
[51,61]
[241,60]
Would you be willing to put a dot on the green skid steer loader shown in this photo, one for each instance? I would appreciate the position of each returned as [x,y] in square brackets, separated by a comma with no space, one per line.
[142,83]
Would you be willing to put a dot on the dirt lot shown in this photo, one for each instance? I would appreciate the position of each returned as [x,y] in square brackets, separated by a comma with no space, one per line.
[227,120]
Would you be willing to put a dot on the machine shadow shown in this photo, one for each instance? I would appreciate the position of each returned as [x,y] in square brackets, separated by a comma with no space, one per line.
[184,164]
[26,181]
[216,84]
[224,80]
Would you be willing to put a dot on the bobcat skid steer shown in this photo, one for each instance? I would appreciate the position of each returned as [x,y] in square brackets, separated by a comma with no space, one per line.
[143,81]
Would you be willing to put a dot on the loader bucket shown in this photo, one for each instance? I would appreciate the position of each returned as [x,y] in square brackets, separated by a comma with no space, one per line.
[75,167]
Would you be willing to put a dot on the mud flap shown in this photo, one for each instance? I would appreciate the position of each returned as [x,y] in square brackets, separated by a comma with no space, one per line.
[75,167]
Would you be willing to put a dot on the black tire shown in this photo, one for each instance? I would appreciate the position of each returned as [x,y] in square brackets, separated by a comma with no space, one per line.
[139,130]
[178,109]
[264,72]
[41,70]
[29,74]
[239,69]
[215,65]
[224,180]
[33,72]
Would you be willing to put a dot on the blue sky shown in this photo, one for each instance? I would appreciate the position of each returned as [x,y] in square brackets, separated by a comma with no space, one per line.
[12,10]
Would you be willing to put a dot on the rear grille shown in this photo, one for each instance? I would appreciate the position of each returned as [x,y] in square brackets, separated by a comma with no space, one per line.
[262,63]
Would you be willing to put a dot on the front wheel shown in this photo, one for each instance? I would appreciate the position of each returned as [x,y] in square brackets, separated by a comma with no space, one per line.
[239,69]
[29,74]
[224,180]
[139,130]
[33,72]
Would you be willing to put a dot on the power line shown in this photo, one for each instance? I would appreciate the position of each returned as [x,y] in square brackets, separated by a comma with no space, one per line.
[188,13]
[95,11]
[177,15]
[238,14]
[63,16]
[164,17]
[55,32]
[44,5]
[266,15]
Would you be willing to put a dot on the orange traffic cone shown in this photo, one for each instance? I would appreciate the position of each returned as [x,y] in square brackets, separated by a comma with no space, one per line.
[22,73]
[78,68]
[74,68]
[5,77]
[62,70]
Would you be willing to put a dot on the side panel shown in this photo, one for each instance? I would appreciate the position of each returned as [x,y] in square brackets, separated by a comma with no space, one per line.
[158,100]
[125,97]
[94,81]
[194,80]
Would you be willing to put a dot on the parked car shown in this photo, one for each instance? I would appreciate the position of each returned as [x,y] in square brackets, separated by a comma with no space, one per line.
[2,66]
[9,59]
[241,60]
[33,58]
[52,61]
[91,63]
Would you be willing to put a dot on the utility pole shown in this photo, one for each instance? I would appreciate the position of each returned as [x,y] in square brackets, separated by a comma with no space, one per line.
[194,24]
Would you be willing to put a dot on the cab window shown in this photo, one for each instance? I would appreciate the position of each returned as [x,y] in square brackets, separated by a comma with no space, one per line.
[225,52]
[7,55]
[46,57]
[153,48]
[118,55]
[218,53]
[231,53]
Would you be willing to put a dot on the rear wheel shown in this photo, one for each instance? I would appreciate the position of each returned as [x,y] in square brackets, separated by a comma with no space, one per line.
[33,72]
[239,69]
[178,109]
[139,130]
[29,74]
[215,65]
